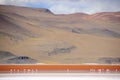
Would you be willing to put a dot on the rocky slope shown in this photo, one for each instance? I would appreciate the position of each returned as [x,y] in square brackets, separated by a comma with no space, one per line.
[10,58]
[59,39]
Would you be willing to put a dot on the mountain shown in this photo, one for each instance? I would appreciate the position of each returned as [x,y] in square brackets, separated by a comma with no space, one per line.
[110,16]
[60,39]
[44,10]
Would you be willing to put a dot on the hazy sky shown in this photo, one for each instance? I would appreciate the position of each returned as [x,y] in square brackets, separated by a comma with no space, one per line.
[69,6]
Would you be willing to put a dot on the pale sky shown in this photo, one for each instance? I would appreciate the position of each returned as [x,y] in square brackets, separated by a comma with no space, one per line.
[69,6]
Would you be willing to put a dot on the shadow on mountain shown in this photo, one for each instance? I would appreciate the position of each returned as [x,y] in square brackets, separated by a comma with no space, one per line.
[97,31]
[12,30]
[104,32]
[5,54]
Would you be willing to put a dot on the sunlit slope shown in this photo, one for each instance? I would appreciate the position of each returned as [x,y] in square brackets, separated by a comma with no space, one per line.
[52,39]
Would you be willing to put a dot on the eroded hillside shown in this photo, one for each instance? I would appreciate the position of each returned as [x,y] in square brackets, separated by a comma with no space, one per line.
[59,39]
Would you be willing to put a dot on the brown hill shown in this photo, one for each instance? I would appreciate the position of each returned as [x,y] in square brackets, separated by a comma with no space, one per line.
[110,16]
[59,39]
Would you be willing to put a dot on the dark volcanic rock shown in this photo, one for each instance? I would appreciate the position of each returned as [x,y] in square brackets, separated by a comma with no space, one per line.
[20,60]
[77,30]
[10,58]
[109,60]
[44,10]
[117,60]
[61,50]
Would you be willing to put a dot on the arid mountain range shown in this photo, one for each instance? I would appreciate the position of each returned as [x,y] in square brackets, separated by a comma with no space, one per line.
[43,37]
